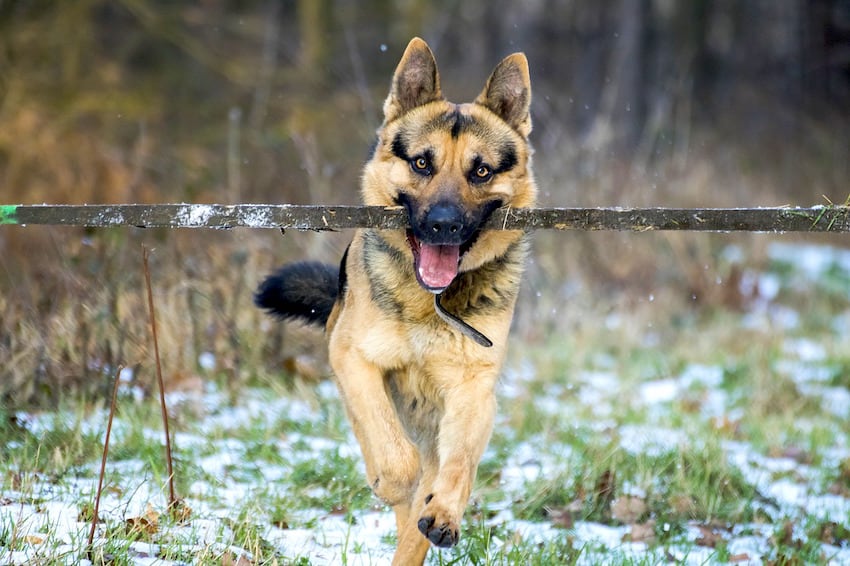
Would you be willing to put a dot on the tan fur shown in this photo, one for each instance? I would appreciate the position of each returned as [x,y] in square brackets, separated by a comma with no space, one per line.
[420,395]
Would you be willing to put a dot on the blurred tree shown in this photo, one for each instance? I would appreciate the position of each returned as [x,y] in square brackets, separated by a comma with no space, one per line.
[314,39]
[152,87]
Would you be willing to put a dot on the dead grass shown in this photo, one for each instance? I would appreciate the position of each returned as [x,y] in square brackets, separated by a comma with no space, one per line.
[71,300]
[68,319]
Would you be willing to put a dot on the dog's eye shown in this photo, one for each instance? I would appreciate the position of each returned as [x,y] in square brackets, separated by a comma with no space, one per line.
[481,174]
[420,165]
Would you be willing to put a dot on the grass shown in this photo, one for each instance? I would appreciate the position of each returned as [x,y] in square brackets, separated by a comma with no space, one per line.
[681,481]
[661,427]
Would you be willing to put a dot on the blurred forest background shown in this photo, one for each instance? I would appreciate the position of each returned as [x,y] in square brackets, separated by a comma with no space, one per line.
[635,102]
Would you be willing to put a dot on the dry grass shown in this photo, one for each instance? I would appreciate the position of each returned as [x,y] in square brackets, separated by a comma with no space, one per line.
[72,305]
[71,300]
[69,318]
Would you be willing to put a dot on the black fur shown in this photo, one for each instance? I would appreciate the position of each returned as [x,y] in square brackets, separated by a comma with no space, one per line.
[343,273]
[305,290]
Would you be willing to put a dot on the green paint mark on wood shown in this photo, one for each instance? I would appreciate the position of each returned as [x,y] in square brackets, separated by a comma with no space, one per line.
[7,214]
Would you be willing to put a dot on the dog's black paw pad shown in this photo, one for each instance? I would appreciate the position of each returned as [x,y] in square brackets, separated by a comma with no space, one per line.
[425,524]
[443,536]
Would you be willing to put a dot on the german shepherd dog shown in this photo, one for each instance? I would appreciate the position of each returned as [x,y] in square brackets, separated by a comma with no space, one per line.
[417,320]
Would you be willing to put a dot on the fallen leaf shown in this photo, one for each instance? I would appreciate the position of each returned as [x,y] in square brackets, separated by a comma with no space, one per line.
[34,539]
[339,510]
[728,426]
[797,454]
[15,479]
[628,509]
[604,491]
[229,560]
[740,557]
[151,514]
[683,504]
[838,488]
[692,403]
[140,526]
[561,517]
[641,532]
[785,536]
[708,537]
[833,533]
[147,524]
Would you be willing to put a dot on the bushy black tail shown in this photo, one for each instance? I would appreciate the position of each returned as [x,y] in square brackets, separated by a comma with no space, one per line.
[305,290]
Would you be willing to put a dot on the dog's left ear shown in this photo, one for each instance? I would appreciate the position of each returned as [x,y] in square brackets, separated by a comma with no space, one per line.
[508,93]
[415,82]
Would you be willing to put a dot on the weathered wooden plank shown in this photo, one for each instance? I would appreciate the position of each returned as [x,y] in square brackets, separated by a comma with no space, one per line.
[323,217]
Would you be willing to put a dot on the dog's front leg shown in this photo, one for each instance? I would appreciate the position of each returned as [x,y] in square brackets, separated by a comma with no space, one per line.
[412,546]
[392,460]
[465,429]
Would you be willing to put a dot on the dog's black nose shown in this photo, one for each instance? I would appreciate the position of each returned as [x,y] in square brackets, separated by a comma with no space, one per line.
[443,224]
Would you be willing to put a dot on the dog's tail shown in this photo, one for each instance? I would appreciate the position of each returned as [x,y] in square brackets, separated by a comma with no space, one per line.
[305,290]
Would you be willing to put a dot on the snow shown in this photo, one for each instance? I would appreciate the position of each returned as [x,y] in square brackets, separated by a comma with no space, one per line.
[811,260]
[109,217]
[193,215]
[333,538]
[791,489]
[259,216]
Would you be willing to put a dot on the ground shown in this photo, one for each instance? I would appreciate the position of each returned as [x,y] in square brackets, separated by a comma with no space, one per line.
[644,436]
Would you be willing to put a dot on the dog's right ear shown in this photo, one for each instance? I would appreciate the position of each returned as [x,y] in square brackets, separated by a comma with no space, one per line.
[415,82]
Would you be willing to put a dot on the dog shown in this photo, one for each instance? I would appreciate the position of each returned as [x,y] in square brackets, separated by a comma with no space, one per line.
[417,320]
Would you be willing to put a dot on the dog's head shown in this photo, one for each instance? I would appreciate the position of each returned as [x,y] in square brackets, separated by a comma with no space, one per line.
[451,165]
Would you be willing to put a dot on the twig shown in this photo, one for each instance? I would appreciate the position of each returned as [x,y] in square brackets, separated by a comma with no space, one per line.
[96,511]
[172,498]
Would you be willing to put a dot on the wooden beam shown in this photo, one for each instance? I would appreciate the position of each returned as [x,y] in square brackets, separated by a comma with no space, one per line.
[829,218]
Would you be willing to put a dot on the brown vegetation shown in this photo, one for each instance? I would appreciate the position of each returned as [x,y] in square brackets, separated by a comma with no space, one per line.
[637,102]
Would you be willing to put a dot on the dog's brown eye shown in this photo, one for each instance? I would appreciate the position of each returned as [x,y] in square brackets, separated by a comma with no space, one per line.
[421,165]
[482,174]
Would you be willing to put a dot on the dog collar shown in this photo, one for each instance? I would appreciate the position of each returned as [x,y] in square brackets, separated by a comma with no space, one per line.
[460,325]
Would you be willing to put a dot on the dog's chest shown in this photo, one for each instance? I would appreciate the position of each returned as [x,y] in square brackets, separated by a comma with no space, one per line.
[417,403]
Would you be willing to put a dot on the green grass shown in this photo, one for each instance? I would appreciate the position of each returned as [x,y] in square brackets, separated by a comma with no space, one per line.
[63,445]
[578,422]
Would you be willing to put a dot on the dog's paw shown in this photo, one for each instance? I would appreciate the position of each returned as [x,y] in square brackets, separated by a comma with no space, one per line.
[437,526]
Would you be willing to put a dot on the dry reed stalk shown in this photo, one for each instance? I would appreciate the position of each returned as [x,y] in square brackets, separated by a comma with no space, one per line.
[172,498]
[96,510]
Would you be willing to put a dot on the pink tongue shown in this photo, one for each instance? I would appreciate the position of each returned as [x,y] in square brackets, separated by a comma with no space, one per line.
[438,265]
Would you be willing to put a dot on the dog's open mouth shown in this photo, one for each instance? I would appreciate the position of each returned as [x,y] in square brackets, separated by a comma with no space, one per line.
[435,265]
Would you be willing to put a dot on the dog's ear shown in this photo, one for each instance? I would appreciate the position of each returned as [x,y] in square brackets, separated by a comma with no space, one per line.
[415,82]
[508,93]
